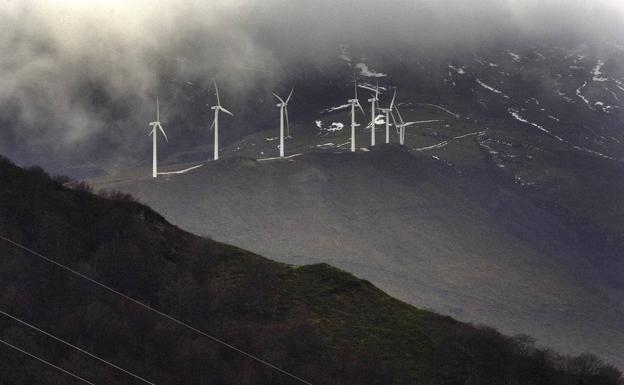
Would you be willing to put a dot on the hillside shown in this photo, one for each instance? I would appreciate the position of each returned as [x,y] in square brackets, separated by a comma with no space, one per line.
[445,228]
[323,324]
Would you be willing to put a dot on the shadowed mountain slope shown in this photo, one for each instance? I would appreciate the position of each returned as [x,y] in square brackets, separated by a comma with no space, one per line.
[318,322]
[469,241]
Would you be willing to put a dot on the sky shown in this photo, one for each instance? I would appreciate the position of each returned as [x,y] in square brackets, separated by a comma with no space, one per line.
[73,73]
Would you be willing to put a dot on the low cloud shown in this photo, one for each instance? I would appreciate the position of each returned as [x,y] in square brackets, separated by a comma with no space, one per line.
[83,75]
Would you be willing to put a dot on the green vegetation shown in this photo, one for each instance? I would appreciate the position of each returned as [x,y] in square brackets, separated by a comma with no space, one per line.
[316,321]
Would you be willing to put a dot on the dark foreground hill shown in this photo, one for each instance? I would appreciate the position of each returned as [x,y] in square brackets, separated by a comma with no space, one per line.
[315,321]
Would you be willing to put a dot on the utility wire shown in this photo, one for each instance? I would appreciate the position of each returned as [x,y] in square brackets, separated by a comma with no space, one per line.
[75,347]
[171,318]
[46,362]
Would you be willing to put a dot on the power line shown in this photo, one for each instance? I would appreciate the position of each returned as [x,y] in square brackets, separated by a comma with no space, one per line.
[167,316]
[75,347]
[46,362]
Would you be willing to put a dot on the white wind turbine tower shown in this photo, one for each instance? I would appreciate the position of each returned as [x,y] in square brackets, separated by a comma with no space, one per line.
[155,127]
[388,111]
[354,102]
[215,122]
[373,101]
[283,105]
[401,126]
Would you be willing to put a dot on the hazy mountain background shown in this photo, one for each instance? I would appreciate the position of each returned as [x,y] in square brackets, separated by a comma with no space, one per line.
[506,210]
[79,79]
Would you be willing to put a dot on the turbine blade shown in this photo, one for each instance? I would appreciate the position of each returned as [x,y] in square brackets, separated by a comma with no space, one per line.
[355,85]
[360,106]
[290,95]
[393,99]
[213,122]
[396,126]
[163,132]
[217,91]
[409,124]
[278,98]
[377,90]
[366,87]
[399,113]
[157,109]
[226,111]
[287,120]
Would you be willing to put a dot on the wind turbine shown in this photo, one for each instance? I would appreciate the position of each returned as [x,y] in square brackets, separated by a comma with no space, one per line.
[215,122]
[401,126]
[283,105]
[388,111]
[373,123]
[354,102]
[155,127]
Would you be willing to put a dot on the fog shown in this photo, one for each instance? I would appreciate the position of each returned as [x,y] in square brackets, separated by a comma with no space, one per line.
[79,77]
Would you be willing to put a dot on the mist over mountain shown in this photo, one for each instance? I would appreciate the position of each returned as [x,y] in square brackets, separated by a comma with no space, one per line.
[79,80]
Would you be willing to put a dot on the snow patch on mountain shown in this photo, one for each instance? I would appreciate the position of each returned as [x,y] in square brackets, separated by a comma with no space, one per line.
[333,127]
[597,72]
[336,126]
[587,150]
[490,88]
[459,70]
[582,97]
[516,115]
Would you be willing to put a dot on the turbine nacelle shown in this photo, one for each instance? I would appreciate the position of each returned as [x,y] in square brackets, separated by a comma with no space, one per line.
[375,98]
[284,103]
[220,108]
[156,126]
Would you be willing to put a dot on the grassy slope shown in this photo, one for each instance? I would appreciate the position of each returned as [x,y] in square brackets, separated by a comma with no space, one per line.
[319,322]
[473,245]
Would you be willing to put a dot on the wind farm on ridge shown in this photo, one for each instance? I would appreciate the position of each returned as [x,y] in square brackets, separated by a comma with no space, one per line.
[379,116]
